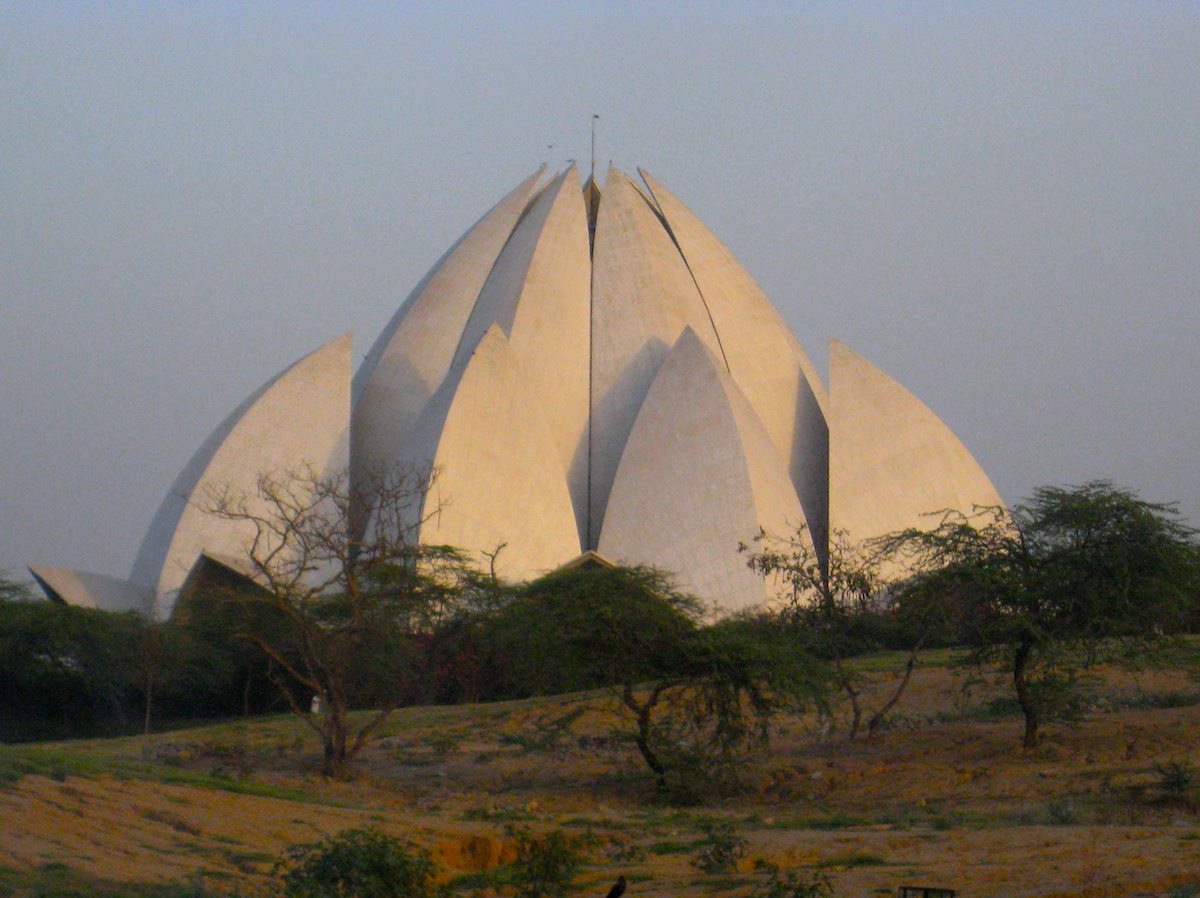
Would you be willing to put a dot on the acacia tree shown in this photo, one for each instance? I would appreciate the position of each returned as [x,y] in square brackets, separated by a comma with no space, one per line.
[826,602]
[349,605]
[693,696]
[1066,579]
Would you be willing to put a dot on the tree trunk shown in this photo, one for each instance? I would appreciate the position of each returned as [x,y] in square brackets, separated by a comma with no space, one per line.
[149,703]
[334,738]
[642,739]
[335,754]
[856,719]
[848,685]
[329,765]
[878,716]
[643,743]
[1024,697]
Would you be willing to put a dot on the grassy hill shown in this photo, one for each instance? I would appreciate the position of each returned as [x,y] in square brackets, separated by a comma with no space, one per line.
[943,797]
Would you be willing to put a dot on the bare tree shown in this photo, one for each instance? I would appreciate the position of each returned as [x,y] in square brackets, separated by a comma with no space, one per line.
[349,606]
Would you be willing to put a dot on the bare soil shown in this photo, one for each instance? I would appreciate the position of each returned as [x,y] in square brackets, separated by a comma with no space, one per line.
[944,797]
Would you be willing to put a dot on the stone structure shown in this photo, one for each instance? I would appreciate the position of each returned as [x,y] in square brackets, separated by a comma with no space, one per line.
[892,462]
[593,376]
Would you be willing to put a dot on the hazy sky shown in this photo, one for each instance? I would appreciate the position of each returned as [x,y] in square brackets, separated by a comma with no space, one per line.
[998,204]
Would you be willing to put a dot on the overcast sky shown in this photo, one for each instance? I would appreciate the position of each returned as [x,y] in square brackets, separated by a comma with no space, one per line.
[998,204]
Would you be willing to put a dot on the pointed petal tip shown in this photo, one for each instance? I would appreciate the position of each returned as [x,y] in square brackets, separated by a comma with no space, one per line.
[613,174]
[493,334]
[569,175]
[649,179]
[688,337]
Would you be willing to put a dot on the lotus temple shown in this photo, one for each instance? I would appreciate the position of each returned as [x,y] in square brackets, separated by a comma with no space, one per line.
[592,375]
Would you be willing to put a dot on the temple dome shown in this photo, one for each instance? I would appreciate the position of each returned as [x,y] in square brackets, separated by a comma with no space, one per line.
[592,373]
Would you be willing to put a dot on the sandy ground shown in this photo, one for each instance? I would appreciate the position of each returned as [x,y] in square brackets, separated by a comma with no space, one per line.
[937,799]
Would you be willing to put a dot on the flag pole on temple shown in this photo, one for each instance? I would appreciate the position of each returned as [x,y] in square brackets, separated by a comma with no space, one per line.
[594,117]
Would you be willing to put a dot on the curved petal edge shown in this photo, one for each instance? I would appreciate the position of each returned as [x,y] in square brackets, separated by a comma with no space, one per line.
[892,460]
[495,465]
[297,420]
[699,475]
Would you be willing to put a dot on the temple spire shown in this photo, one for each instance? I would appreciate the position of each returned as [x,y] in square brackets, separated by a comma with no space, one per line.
[593,171]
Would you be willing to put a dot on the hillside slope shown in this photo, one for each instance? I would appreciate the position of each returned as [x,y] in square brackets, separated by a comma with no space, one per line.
[944,797]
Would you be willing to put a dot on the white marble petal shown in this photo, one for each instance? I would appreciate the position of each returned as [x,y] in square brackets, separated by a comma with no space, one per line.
[499,478]
[892,460]
[90,590]
[299,418]
[539,293]
[643,296]
[763,355]
[412,356]
[699,475]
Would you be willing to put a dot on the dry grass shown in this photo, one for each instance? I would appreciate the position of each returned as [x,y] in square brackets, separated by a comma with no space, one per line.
[944,797]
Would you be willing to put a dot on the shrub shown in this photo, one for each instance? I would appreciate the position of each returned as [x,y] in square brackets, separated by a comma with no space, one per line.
[818,885]
[720,849]
[1062,811]
[546,865]
[1176,778]
[357,863]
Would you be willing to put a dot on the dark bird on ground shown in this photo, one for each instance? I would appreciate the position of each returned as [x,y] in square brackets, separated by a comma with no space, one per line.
[617,890]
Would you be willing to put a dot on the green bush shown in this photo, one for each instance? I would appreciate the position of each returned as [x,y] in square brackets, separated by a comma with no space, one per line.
[1063,811]
[357,863]
[1177,779]
[72,672]
[720,849]
[546,865]
[818,885]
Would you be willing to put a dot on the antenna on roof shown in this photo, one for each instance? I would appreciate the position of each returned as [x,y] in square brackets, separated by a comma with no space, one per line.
[594,117]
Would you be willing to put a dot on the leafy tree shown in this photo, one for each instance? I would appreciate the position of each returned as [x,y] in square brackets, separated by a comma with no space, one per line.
[827,604]
[161,659]
[66,671]
[693,696]
[227,674]
[463,661]
[71,671]
[1059,582]
[350,605]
